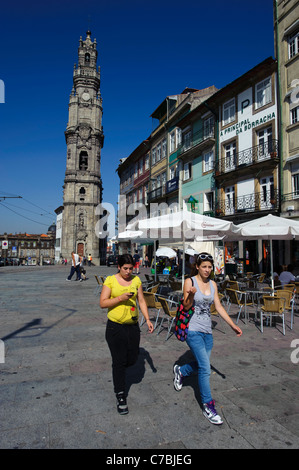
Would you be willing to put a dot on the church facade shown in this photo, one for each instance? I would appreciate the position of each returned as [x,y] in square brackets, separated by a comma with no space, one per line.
[82,189]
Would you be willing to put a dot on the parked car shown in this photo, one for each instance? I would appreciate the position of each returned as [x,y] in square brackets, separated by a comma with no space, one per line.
[112,260]
[1,261]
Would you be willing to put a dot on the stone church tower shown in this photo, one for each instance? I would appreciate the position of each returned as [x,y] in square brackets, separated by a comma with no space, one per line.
[84,139]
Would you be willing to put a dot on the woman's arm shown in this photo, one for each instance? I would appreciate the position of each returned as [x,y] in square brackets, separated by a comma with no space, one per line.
[107,302]
[189,292]
[143,308]
[222,312]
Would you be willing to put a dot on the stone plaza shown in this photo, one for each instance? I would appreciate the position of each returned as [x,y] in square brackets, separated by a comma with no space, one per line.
[56,386]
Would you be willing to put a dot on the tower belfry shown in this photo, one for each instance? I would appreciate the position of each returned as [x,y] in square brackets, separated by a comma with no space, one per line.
[84,139]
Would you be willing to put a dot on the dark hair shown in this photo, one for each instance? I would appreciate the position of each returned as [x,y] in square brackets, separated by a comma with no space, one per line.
[125,259]
[201,257]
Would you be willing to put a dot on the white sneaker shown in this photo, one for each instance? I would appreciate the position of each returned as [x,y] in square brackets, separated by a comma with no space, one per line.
[210,413]
[178,378]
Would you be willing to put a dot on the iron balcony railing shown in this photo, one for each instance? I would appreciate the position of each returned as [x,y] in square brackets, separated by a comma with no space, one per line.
[262,201]
[197,138]
[259,153]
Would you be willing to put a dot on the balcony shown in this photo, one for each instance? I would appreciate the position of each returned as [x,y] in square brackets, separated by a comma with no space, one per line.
[199,140]
[266,153]
[156,194]
[256,202]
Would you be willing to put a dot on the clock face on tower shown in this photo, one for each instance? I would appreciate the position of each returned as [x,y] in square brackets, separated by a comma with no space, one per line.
[85,96]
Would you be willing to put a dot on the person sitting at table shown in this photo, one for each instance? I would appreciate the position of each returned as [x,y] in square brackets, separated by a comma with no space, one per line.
[286,277]
[276,275]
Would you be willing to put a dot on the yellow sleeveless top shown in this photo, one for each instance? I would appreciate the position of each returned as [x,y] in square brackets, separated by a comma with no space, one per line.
[124,312]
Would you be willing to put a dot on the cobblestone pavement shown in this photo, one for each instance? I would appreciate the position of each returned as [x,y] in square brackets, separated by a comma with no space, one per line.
[56,387]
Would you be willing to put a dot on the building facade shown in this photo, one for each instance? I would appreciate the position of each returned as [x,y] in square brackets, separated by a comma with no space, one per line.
[28,249]
[82,190]
[286,40]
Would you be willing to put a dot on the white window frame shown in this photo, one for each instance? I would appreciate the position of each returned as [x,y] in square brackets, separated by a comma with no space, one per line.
[293,45]
[187,172]
[263,93]
[295,184]
[264,138]
[208,161]
[229,200]
[164,148]
[158,152]
[146,163]
[154,156]
[228,111]
[172,142]
[230,156]
[178,136]
[294,115]
[208,127]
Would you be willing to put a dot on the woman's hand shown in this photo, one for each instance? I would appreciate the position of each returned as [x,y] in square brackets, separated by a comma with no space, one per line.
[150,326]
[126,296]
[237,330]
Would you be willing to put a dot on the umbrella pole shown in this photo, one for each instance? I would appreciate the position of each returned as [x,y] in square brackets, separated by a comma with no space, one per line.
[155,246]
[183,270]
[271,264]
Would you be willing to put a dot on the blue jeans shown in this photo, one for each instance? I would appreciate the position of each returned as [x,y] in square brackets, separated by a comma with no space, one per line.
[201,345]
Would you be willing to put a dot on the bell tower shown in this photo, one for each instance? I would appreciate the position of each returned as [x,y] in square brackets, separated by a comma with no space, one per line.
[82,189]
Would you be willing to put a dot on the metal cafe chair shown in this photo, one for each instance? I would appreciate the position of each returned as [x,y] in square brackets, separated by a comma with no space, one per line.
[273,307]
[169,314]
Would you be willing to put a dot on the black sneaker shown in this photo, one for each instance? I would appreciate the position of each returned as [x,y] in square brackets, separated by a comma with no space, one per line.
[122,407]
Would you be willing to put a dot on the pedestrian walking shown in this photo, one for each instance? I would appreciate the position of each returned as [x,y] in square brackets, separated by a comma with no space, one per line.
[75,268]
[119,295]
[201,292]
[136,262]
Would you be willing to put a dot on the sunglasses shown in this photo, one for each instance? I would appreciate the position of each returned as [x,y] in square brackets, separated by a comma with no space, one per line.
[203,256]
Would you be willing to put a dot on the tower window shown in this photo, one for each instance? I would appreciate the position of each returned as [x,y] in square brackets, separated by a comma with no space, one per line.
[87,58]
[83,161]
[82,191]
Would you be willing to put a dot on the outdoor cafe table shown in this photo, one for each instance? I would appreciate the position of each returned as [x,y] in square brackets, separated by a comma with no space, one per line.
[257,293]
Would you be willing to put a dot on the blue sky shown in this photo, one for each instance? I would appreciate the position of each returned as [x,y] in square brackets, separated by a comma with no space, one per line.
[147,50]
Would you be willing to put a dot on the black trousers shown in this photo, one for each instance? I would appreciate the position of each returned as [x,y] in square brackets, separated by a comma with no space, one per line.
[123,341]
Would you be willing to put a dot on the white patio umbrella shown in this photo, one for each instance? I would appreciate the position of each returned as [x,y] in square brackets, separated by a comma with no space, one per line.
[269,228]
[184,225]
[166,252]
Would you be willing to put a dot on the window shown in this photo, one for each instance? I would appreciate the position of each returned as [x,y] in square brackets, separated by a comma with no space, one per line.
[187,140]
[178,137]
[82,191]
[153,155]
[158,152]
[140,166]
[263,93]
[164,148]
[172,142]
[229,200]
[83,161]
[264,143]
[187,171]
[228,112]
[172,172]
[293,45]
[146,166]
[208,203]
[208,128]
[295,183]
[208,161]
[230,156]
[267,192]
[295,115]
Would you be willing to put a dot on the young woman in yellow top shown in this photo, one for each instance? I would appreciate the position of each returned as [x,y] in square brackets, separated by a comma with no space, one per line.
[119,295]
